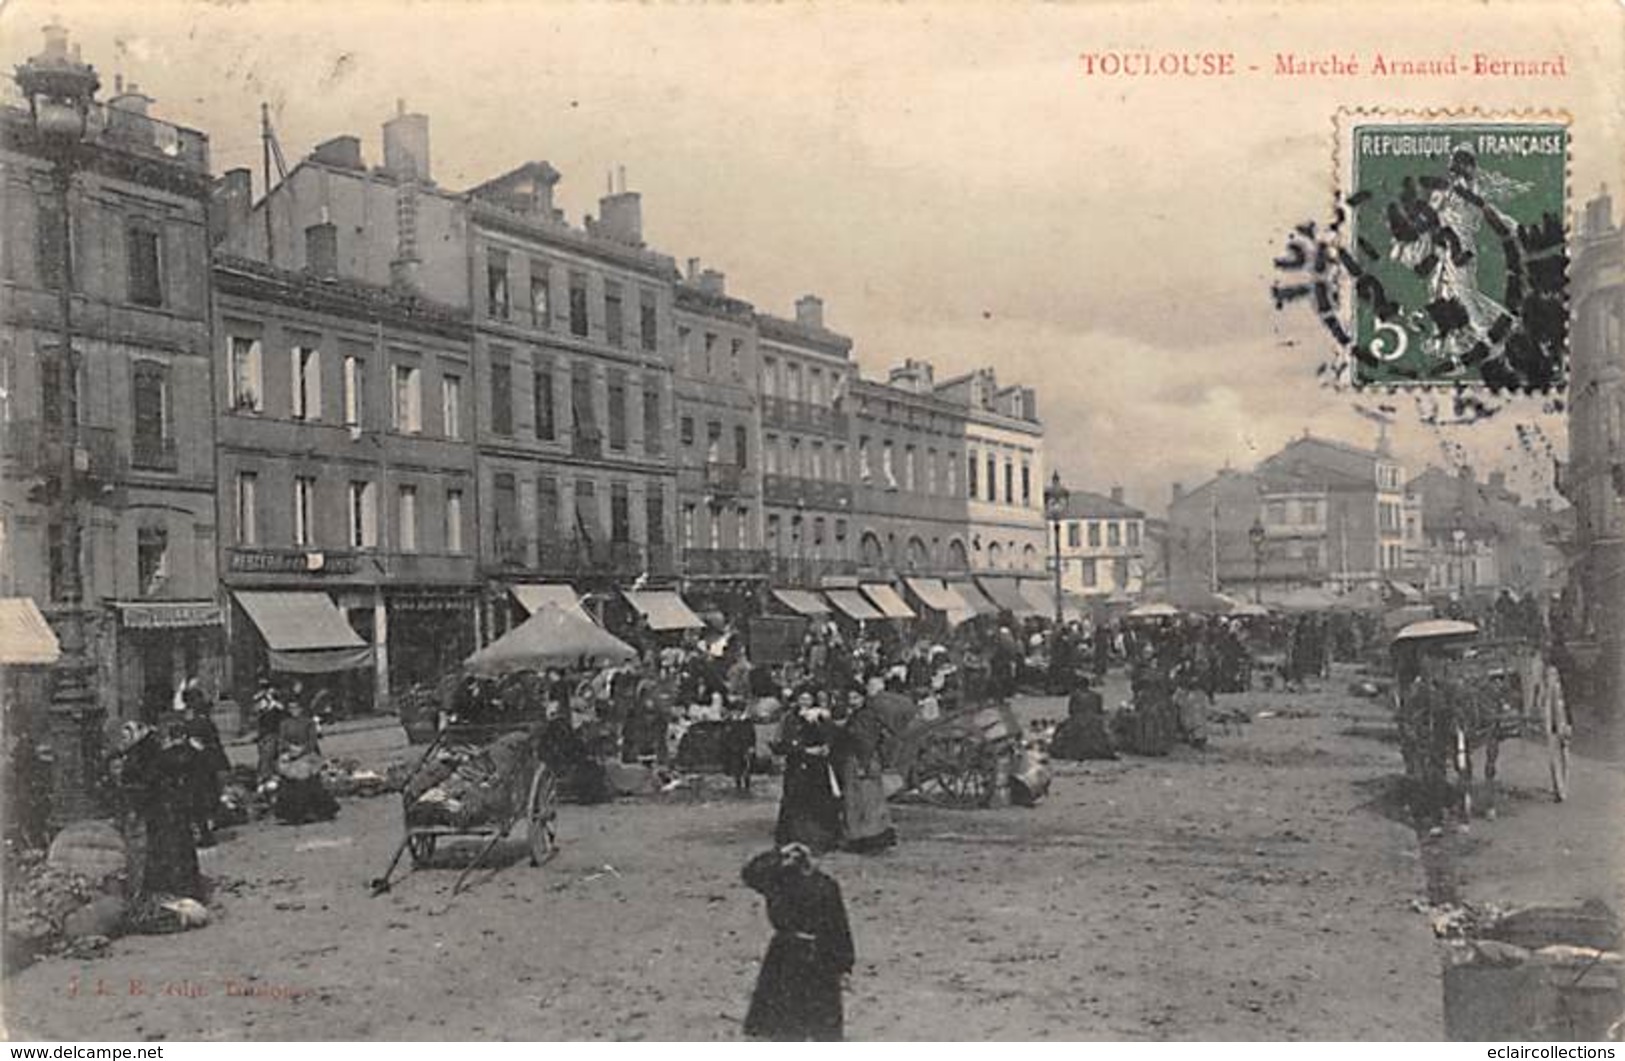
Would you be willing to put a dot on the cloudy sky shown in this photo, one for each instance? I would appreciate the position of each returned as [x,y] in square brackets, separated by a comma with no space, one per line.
[944,175]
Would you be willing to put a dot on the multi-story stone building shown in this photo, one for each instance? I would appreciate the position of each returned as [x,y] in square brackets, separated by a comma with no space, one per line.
[346,469]
[142,449]
[911,515]
[807,494]
[571,376]
[1592,619]
[1103,546]
[719,439]
[1004,473]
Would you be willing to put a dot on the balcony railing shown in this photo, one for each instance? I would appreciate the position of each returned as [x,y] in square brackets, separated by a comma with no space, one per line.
[792,415]
[574,557]
[727,562]
[812,493]
[37,448]
[722,478]
[153,454]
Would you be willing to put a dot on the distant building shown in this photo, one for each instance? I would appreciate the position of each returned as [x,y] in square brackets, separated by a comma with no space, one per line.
[1004,473]
[1479,537]
[145,467]
[1103,546]
[808,472]
[1592,618]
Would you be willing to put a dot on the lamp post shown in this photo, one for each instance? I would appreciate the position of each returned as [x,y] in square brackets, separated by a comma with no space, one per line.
[1256,535]
[1055,499]
[1458,545]
[60,88]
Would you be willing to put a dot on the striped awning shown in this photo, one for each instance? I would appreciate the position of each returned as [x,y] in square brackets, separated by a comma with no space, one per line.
[532,595]
[853,604]
[304,631]
[974,598]
[886,599]
[1005,593]
[26,639]
[1039,594]
[802,602]
[938,596]
[664,610]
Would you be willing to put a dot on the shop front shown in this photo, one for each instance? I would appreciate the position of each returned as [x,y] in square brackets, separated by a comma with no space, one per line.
[159,645]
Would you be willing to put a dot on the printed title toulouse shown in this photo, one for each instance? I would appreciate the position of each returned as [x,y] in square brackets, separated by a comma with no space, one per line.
[1165,64]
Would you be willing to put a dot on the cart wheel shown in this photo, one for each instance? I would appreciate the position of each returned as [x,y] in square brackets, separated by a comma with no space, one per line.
[543,811]
[421,845]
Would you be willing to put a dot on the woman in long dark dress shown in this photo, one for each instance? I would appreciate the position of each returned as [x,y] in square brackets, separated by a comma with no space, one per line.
[863,789]
[810,810]
[153,779]
[798,991]
[300,796]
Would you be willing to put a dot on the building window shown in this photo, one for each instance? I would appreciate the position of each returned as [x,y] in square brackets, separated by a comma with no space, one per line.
[146,266]
[1120,573]
[546,418]
[741,446]
[248,511]
[355,375]
[710,354]
[686,430]
[653,443]
[770,377]
[1114,535]
[454,521]
[1132,531]
[816,470]
[1074,536]
[950,472]
[838,463]
[247,393]
[1009,482]
[886,470]
[713,441]
[451,406]
[363,516]
[547,509]
[689,510]
[496,285]
[150,443]
[304,510]
[541,296]
[685,356]
[617,410]
[587,509]
[770,454]
[815,386]
[736,359]
[578,304]
[583,416]
[406,519]
[865,470]
[620,513]
[714,525]
[151,559]
[1026,486]
[930,471]
[648,321]
[971,464]
[501,395]
[992,478]
[792,389]
[654,515]
[1090,577]
[408,399]
[1094,534]
[505,516]
[772,532]
[307,383]
[614,315]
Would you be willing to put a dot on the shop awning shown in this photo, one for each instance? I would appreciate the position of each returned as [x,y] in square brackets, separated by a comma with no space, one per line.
[1007,595]
[974,598]
[26,639]
[304,632]
[1040,595]
[1406,592]
[168,615]
[531,596]
[938,596]
[852,604]
[886,599]
[664,610]
[802,602]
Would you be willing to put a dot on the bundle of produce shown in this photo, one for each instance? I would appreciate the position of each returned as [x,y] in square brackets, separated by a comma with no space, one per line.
[474,791]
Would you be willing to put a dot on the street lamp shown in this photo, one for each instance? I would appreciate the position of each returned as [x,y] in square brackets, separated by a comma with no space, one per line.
[61,89]
[1256,535]
[1055,499]
[1458,544]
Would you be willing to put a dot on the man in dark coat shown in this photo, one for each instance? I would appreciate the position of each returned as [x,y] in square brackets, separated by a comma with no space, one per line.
[1083,735]
[208,762]
[798,991]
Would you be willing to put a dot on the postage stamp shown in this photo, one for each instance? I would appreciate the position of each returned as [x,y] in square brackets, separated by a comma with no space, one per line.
[1454,248]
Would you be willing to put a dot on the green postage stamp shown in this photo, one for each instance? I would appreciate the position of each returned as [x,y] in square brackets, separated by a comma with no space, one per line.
[1454,249]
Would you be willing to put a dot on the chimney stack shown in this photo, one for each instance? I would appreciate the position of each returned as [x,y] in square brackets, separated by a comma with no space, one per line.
[1117,495]
[1599,214]
[1178,494]
[810,311]
[713,282]
[231,200]
[406,145]
[340,152]
[693,270]
[620,217]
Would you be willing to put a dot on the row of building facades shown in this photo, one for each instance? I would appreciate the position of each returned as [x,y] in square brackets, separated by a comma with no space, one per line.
[410,400]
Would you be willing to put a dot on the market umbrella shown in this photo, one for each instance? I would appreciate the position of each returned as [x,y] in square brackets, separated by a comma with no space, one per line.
[1249,610]
[1430,629]
[1410,613]
[1153,610]
[552,637]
